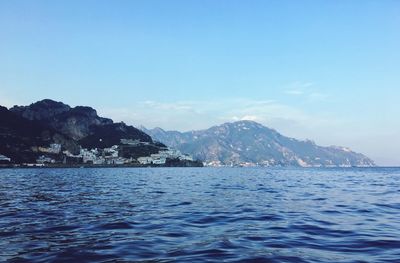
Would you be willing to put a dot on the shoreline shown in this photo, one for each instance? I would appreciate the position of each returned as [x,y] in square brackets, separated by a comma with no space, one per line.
[183,166]
[20,166]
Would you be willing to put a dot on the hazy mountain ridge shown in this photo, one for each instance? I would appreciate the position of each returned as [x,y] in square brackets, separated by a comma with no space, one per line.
[248,142]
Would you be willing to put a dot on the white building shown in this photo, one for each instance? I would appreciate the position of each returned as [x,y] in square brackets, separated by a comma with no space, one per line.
[115,160]
[4,158]
[159,161]
[55,148]
[145,160]
[185,158]
[43,159]
[113,151]
[162,156]
[91,156]
[171,153]
[130,142]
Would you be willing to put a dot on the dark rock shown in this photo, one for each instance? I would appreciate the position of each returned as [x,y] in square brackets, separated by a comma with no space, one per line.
[43,110]
[73,122]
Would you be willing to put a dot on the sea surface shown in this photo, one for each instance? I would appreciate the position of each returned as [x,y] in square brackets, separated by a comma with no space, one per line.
[200,215]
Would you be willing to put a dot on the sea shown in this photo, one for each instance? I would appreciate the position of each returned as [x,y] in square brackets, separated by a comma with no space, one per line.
[200,215]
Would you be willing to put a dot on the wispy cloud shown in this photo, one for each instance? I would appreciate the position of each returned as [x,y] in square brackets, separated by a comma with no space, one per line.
[193,115]
[307,90]
[178,106]
[294,92]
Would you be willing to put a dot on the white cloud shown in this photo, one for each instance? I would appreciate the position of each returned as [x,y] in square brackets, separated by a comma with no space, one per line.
[250,118]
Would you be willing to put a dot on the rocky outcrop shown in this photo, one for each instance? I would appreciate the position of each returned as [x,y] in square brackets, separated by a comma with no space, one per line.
[73,122]
[44,110]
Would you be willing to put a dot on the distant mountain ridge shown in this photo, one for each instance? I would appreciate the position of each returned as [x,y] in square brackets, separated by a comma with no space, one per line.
[250,143]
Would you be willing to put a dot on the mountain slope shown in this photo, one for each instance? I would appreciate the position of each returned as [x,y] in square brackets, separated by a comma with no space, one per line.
[26,129]
[19,137]
[250,142]
[104,136]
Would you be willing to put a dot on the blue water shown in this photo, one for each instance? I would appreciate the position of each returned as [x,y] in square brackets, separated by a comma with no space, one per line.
[200,215]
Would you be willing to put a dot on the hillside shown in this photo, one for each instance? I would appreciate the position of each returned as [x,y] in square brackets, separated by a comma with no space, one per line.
[250,143]
[27,132]
[20,138]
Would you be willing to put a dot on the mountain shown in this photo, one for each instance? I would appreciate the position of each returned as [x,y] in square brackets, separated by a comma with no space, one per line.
[21,137]
[250,143]
[73,122]
[27,131]
[80,123]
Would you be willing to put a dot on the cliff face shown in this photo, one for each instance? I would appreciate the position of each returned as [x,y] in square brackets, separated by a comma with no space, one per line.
[250,142]
[41,111]
[73,122]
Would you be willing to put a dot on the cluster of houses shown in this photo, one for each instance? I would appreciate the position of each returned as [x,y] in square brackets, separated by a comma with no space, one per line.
[162,156]
[109,156]
[232,164]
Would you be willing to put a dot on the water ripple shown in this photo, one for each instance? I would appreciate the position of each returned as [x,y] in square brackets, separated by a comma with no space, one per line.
[200,215]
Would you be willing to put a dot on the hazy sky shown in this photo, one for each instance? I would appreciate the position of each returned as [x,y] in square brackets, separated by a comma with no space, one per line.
[324,70]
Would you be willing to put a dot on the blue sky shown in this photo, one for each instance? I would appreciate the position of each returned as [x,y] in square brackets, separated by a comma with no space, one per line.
[324,70]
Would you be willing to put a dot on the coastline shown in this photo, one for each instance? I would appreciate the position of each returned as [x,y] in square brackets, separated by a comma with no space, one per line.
[35,166]
[21,166]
